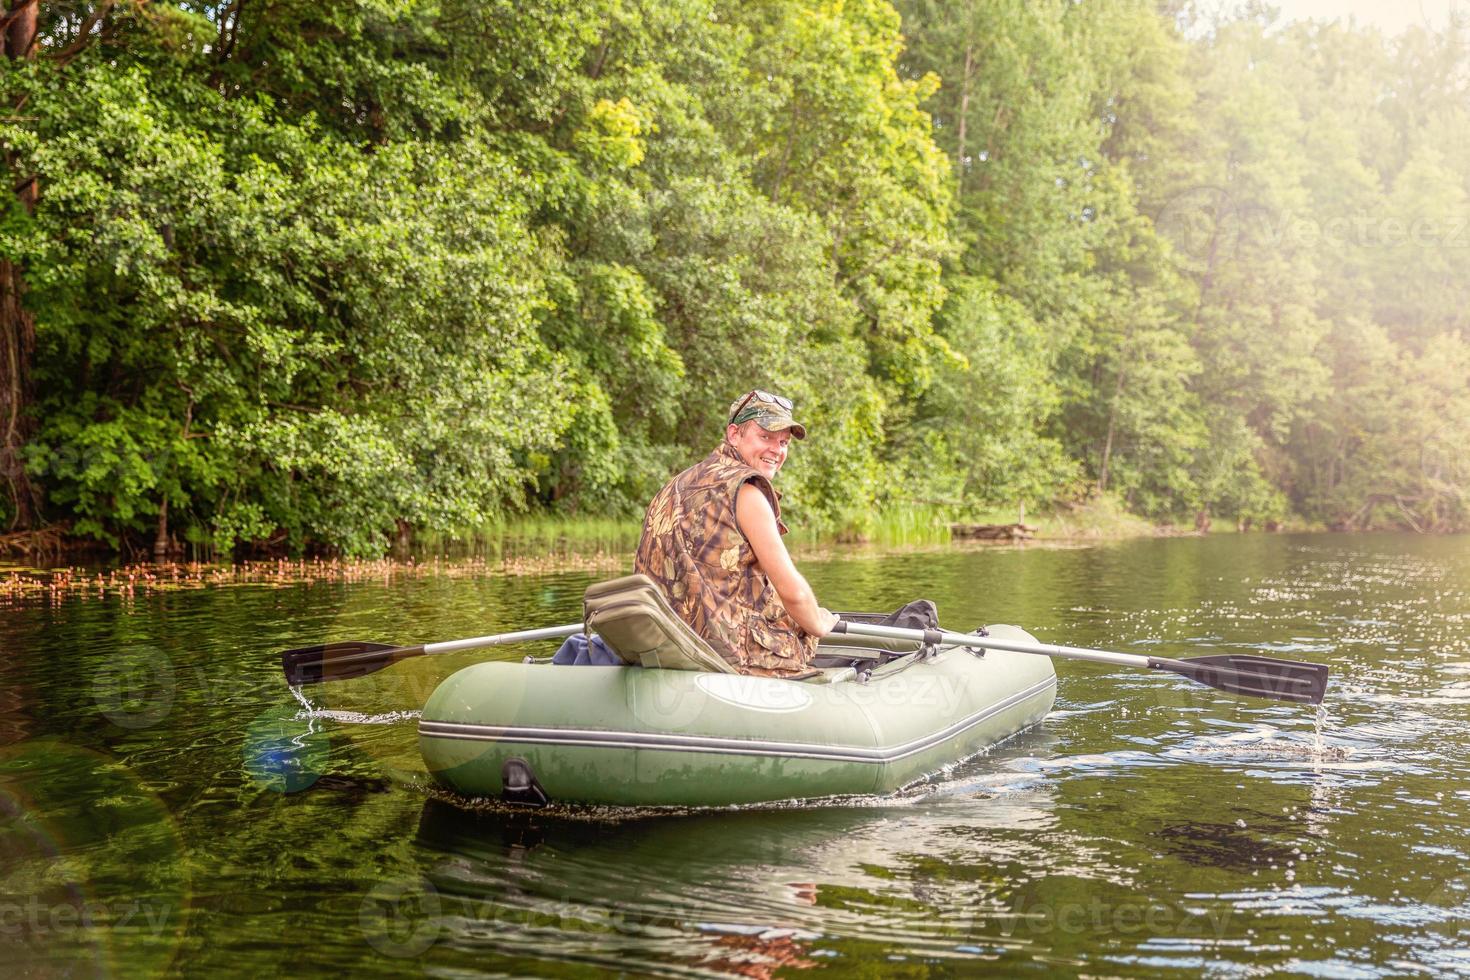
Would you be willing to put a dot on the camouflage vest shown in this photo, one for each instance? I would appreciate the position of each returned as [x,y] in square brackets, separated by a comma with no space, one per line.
[693,549]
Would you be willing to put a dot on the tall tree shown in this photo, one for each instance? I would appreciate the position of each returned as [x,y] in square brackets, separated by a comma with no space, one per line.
[17,325]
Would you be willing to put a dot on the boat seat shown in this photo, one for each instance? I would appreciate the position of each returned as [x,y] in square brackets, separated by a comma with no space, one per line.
[636,622]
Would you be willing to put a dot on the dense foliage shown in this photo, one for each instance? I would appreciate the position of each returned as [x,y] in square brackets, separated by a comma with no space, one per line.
[314,274]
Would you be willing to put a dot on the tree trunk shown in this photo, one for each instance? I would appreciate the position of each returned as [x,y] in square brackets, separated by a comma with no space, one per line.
[964,116]
[1107,453]
[160,540]
[17,346]
[22,34]
[17,328]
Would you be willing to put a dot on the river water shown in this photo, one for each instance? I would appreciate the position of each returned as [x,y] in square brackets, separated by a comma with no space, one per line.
[168,806]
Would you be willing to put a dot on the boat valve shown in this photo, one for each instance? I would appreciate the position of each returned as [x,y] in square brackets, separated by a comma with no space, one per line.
[519,786]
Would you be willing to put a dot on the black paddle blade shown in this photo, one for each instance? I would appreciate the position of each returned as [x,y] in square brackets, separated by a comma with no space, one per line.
[1258,677]
[336,661]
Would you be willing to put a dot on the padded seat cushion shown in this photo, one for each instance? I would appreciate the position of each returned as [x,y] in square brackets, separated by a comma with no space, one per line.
[635,620]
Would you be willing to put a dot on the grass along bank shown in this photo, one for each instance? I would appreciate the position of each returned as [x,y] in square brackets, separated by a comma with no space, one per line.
[544,545]
[896,527]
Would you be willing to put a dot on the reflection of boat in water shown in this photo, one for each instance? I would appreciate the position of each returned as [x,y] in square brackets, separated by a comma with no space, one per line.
[745,891]
[687,737]
[722,893]
[631,854]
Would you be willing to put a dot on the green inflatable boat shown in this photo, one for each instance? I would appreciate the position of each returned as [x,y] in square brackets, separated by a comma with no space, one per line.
[676,727]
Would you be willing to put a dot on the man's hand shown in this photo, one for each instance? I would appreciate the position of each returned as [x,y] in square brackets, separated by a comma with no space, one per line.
[831,620]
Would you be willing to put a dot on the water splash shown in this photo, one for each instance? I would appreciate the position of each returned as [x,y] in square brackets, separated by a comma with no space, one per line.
[1319,722]
[310,712]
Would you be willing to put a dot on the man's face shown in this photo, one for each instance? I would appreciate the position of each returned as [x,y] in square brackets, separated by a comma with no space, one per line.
[762,450]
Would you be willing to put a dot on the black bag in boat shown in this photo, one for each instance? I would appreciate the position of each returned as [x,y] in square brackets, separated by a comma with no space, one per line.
[921,614]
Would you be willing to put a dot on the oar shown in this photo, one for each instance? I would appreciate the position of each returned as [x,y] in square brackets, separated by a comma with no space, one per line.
[1260,677]
[354,658]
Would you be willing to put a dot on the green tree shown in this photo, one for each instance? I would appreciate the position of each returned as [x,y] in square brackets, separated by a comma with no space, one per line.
[975,437]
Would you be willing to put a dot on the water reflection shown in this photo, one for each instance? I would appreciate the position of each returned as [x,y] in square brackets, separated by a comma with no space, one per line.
[747,891]
[627,895]
[1148,826]
[85,890]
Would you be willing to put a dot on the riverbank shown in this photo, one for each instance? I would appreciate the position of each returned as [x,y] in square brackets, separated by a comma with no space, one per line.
[136,579]
[545,546]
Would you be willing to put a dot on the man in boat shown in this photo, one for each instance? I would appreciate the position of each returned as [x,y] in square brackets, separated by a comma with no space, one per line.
[712,543]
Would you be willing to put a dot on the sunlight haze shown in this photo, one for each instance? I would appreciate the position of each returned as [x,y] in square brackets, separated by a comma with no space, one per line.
[1391,18]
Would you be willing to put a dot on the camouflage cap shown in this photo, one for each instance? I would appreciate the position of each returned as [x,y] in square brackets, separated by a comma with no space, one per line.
[770,412]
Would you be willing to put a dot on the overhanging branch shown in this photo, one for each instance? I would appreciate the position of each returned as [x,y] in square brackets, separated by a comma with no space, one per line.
[84,34]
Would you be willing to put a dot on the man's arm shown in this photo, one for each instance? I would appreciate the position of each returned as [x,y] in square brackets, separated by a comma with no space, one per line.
[758,523]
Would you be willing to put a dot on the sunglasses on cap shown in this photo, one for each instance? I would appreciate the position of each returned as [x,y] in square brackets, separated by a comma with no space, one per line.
[764,396]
